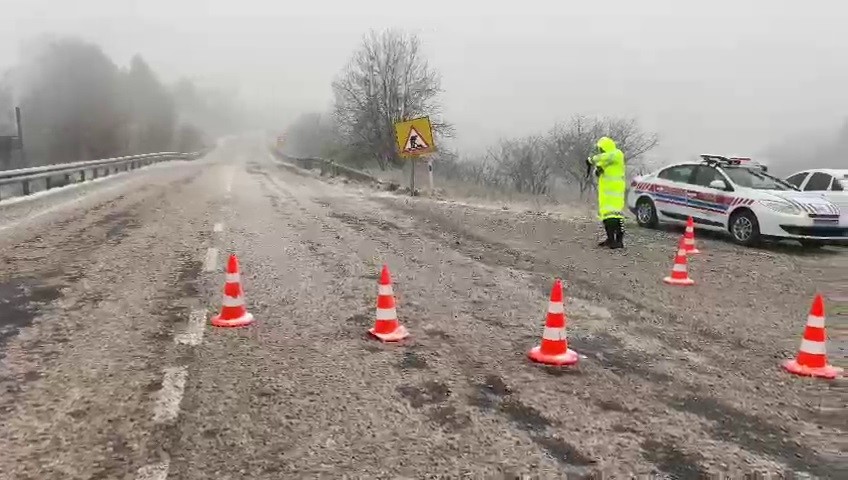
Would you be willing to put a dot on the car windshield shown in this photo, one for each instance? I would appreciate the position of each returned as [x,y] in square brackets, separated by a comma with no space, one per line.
[751,178]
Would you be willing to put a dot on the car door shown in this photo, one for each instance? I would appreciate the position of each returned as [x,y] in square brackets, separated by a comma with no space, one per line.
[669,192]
[705,204]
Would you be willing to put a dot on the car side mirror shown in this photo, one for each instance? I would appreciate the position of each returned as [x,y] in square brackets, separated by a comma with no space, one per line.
[718,185]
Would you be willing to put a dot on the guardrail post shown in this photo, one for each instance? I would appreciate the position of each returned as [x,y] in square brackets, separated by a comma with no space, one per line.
[94,173]
[82,175]
[47,183]
[67,179]
[25,187]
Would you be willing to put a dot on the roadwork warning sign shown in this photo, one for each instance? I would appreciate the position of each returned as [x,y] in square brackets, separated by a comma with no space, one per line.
[415,137]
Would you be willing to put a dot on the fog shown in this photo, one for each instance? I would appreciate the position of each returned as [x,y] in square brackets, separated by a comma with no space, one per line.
[721,76]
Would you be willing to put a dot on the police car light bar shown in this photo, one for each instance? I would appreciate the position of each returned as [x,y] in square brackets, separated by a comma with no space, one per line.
[719,159]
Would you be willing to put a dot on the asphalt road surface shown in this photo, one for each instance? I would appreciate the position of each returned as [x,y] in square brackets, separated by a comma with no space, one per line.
[110,370]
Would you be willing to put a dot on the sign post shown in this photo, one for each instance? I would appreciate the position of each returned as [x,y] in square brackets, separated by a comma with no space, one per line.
[414,139]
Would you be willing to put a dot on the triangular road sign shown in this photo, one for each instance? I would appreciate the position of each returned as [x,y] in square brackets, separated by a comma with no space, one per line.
[414,142]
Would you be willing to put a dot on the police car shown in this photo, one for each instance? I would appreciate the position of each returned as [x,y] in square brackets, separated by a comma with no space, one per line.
[737,196]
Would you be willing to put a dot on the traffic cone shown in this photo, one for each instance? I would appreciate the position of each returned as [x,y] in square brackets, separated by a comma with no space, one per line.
[680,271]
[233,312]
[812,356]
[689,237]
[386,327]
[554,348]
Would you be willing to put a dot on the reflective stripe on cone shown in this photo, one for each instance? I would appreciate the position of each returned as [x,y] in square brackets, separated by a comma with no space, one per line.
[811,360]
[554,347]
[233,310]
[387,328]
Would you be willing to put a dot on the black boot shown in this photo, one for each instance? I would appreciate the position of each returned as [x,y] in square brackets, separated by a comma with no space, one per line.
[618,234]
[610,229]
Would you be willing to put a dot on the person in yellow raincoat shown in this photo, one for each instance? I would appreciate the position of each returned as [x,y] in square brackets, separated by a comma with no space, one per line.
[609,167]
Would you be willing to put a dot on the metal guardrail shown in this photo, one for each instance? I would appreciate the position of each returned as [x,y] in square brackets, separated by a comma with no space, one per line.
[328,167]
[25,176]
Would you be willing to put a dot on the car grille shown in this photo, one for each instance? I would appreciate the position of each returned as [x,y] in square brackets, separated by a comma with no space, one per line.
[817,209]
[816,231]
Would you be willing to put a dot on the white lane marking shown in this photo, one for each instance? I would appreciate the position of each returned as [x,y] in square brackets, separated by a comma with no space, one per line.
[231,173]
[210,264]
[194,331]
[167,406]
[157,471]
[219,227]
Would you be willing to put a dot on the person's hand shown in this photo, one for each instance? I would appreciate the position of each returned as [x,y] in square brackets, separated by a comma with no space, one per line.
[599,171]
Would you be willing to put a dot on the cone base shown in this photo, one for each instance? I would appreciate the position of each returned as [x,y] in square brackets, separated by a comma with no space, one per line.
[570,357]
[675,281]
[828,371]
[397,335]
[241,321]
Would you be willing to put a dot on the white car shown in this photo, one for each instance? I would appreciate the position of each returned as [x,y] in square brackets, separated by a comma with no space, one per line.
[830,182]
[736,196]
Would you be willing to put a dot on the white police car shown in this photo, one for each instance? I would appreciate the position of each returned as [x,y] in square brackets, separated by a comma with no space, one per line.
[735,195]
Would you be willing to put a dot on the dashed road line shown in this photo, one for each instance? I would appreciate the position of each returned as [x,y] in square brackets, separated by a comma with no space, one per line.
[193,335]
[158,471]
[210,264]
[167,406]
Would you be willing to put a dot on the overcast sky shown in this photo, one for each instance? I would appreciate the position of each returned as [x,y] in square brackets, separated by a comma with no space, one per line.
[719,76]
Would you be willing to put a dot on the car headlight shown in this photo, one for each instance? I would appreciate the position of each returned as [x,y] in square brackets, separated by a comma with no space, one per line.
[782,207]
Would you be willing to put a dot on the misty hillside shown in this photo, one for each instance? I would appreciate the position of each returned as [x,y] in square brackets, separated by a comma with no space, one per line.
[77,104]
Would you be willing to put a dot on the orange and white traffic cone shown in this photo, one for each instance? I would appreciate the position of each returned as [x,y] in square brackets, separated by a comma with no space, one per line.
[680,271]
[386,327]
[554,347]
[233,311]
[689,237]
[812,356]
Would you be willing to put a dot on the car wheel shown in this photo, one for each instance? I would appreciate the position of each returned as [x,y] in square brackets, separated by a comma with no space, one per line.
[811,243]
[646,213]
[744,228]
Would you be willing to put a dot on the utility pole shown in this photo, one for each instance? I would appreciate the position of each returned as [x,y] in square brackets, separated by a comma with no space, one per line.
[20,137]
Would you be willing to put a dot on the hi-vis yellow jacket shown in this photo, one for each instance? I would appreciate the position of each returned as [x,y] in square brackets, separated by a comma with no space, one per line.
[612,185]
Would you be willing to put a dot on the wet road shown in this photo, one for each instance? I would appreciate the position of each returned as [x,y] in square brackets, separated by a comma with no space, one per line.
[108,372]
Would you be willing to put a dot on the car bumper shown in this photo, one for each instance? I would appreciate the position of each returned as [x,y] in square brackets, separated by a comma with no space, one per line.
[793,226]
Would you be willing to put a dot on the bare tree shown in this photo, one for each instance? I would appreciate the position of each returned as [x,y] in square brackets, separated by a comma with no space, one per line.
[525,163]
[575,141]
[151,109]
[386,81]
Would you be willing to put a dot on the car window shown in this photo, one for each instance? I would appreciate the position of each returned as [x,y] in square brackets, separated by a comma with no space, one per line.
[705,174]
[757,179]
[840,184]
[680,173]
[818,182]
[797,179]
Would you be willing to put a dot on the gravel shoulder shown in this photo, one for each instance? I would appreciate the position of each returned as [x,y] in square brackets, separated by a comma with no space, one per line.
[683,382]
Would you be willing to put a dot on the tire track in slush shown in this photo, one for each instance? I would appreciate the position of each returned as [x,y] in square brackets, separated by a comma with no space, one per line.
[487,392]
[166,409]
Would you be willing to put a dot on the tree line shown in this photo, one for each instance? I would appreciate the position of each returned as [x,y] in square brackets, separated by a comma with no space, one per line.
[77,104]
[388,79]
